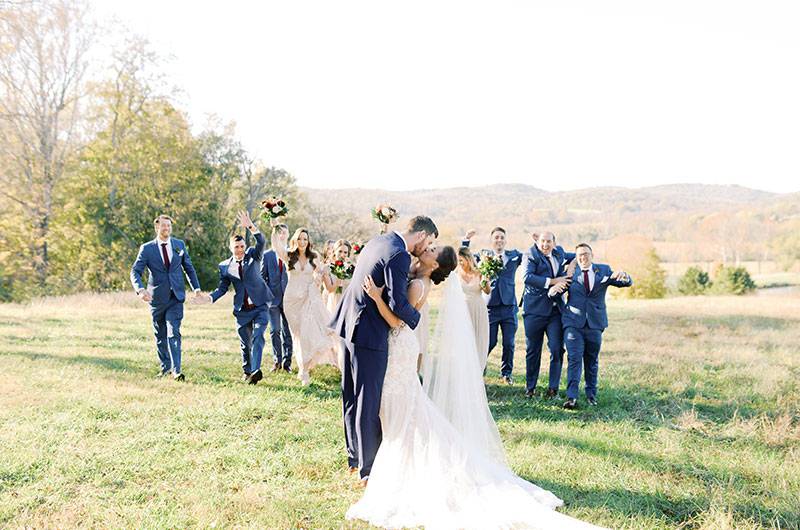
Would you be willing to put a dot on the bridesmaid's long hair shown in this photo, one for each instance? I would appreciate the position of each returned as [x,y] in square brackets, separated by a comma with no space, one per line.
[464,252]
[294,252]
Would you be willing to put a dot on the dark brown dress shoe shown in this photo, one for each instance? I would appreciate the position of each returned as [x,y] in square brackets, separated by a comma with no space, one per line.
[275,368]
[255,377]
[529,393]
[552,392]
[179,377]
[592,402]
[245,377]
[571,404]
[352,469]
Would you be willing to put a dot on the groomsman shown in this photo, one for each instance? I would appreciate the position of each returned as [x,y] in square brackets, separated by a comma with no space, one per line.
[274,273]
[167,260]
[584,317]
[243,270]
[502,302]
[545,268]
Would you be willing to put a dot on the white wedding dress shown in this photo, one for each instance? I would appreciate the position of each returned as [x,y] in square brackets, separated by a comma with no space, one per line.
[426,475]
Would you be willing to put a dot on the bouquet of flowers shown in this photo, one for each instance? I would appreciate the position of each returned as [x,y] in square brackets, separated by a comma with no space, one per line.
[385,215]
[272,208]
[356,249]
[490,267]
[343,270]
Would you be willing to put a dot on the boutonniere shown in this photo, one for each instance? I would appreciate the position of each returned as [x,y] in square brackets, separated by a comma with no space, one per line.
[179,252]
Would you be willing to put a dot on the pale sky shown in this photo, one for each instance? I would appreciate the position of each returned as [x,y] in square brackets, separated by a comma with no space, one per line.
[559,95]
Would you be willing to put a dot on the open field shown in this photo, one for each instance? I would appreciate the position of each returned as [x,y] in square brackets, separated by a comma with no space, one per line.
[698,424]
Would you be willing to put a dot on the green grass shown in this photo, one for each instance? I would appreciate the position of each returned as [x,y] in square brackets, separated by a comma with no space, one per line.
[698,424]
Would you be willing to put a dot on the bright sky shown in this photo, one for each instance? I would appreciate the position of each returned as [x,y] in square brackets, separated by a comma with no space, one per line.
[559,95]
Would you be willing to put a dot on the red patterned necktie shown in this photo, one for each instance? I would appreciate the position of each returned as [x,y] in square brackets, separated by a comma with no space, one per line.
[165,255]
[280,266]
[586,281]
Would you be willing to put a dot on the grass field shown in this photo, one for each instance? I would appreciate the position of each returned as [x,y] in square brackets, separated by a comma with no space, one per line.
[698,424]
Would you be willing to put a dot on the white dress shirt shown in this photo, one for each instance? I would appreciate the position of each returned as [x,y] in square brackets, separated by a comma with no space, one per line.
[553,267]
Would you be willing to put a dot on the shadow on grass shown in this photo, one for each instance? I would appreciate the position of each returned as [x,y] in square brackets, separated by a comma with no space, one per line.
[668,508]
[108,363]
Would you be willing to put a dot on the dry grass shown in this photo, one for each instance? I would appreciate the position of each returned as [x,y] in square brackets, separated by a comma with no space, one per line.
[698,424]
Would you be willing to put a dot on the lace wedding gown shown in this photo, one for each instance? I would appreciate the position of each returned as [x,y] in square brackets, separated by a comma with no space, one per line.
[313,342]
[425,475]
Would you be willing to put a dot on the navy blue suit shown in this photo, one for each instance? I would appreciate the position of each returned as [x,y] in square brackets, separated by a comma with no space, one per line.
[540,315]
[251,317]
[168,291]
[584,318]
[274,274]
[502,307]
[365,337]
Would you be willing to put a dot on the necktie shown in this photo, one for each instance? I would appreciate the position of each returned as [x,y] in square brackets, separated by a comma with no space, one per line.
[246,303]
[280,266]
[552,268]
[586,281]
[165,255]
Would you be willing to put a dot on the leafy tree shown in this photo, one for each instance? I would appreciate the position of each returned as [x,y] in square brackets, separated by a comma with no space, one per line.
[649,278]
[694,281]
[733,280]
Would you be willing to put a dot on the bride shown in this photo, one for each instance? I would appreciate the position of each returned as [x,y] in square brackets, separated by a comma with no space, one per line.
[441,463]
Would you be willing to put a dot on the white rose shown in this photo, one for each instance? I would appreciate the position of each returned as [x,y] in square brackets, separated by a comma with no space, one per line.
[386,211]
[276,209]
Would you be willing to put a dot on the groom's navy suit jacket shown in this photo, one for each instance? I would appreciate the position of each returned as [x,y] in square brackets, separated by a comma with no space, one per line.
[163,281]
[356,318]
[253,283]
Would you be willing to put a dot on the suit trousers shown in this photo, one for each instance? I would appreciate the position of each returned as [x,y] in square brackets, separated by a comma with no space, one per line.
[167,319]
[583,348]
[250,326]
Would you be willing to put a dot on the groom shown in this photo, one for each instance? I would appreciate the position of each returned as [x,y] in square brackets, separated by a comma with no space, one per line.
[365,334]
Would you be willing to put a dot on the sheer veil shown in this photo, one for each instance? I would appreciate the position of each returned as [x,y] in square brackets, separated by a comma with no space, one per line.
[452,377]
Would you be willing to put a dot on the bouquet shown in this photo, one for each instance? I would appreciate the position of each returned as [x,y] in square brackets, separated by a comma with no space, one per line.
[343,270]
[356,249]
[489,267]
[272,208]
[385,215]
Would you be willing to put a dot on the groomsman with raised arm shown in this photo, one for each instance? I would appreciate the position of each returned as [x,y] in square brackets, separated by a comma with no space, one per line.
[274,273]
[167,259]
[502,304]
[545,267]
[243,271]
[584,317]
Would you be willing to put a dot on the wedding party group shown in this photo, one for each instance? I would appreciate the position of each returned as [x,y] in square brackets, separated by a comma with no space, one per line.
[418,429]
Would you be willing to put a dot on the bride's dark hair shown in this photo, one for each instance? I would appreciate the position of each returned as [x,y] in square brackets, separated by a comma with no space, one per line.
[448,261]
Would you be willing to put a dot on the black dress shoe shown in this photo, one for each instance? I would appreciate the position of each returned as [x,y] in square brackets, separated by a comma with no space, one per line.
[179,377]
[530,393]
[552,392]
[287,369]
[507,379]
[275,367]
[161,374]
[571,404]
[592,401]
[255,377]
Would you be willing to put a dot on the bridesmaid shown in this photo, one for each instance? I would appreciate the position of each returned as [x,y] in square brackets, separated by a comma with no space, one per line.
[341,251]
[474,289]
[313,342]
